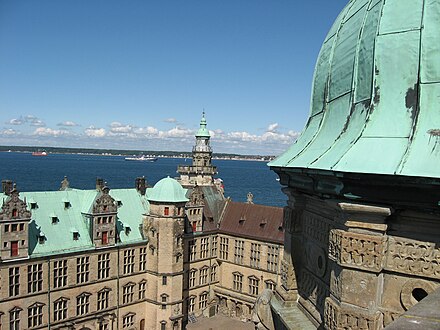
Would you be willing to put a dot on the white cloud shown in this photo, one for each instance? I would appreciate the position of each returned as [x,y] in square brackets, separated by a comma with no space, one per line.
[92,131]
[120,129]
[171,120]
[46,131]
[9,132]
[37,122]
[68,123]
[16,121]
[176,132]
[147,131]
[272,127]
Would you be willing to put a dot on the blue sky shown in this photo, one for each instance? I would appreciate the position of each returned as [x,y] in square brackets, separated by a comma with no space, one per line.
[137,74]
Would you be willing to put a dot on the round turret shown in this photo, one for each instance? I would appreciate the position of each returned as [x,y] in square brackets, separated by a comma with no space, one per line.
[167,190]
[203,131]
[376,93]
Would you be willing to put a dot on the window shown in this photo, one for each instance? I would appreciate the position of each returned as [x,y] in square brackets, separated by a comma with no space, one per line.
[237,282]
[60,273]
[192,278]
[142,289]
[255,255]
[239,251]
[213,273]
[82,269]
[203,300]
[103,298]
[163,325]
[224,247]
[204,247]
[166,210]
[192,250]
[14,248]
[128,320]
[103,266]
[35,315]
[128,293]
[104,238]
[14,281]
[14,318]
[271,285]
[75,235]
[164,298]
[191,304]
[35,278]
[203,275]
[164,280]
[272,258]
[60,309]
[253,285]
[129,261]
[143,259]
[82,304]
[214,246]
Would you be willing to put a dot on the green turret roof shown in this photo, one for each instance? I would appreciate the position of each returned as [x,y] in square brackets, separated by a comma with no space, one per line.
[167,190]
[376,93]
[203,132]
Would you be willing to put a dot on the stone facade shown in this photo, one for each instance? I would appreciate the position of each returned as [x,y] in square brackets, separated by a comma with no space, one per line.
[356,264]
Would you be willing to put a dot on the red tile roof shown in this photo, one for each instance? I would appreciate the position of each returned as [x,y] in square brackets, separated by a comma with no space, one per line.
[264,223]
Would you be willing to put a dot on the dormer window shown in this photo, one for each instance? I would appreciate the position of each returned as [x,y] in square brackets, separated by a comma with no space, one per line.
[242,220]
[127,230]
[75,235]
[263,223]
[166,210]
[66,204]
[41,238]
[33,205]
[119,203]
[54,218]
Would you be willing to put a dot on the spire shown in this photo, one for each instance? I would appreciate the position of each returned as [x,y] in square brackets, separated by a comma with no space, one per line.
[203,132]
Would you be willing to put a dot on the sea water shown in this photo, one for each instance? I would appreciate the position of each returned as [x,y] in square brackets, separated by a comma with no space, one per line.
[32,173]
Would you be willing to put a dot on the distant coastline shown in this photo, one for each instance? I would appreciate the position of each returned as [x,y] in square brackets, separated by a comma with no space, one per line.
[120,152]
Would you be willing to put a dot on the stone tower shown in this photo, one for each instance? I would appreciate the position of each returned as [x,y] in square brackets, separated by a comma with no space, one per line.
[363,220]
[201,172]
[164,226]
[14,225]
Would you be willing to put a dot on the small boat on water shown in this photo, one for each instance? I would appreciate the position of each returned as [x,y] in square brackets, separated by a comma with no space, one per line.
[39,153]
[142,158]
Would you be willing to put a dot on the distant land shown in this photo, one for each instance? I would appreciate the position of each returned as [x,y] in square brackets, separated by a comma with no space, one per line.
[116,152]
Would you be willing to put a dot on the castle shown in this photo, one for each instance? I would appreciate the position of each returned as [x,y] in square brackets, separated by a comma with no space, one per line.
[140,258]
[362,220]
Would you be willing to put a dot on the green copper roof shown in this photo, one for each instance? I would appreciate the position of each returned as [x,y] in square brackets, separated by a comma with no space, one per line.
[167,190]
[375,104]
[58,232]
[203,132]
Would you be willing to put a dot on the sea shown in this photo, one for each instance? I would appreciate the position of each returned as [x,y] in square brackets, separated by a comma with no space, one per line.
[32,173]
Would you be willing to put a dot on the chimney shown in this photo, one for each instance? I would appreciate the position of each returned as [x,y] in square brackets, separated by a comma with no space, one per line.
[99,184]
[141,185]
[7,186]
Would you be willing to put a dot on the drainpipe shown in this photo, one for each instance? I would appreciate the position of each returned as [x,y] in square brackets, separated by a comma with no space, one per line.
[48,294]
[117,292]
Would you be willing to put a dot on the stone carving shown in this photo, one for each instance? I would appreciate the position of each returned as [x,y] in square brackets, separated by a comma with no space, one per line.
[291,220]
[357,250]
[316,259]
[415,290]
[14,207]
[250,198]
[312,289]
[414,257]
[337,317]
[105,203]
[262,314]
[287,275]
[316,228]
[196,198]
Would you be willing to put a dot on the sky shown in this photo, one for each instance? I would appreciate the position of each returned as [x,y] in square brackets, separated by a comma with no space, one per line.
[138,74]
